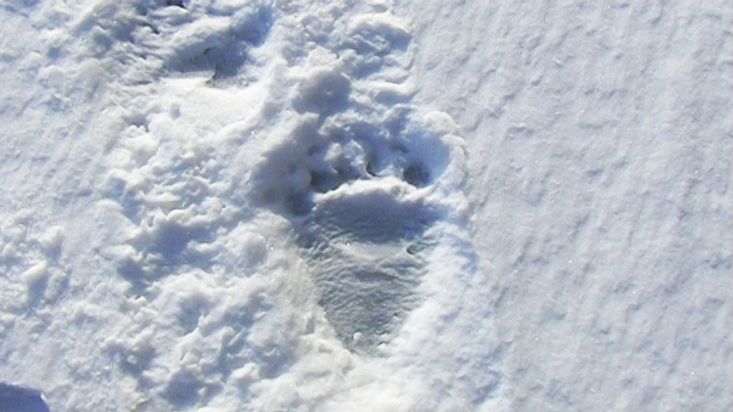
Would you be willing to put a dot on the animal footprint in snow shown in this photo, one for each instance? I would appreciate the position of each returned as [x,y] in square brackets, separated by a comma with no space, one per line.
[362,202]
[363,242]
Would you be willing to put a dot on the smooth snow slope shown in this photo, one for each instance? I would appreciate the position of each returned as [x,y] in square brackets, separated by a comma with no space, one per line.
[321,205]
[600,137]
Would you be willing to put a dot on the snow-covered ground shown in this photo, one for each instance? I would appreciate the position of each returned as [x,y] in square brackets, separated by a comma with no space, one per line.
[227,205]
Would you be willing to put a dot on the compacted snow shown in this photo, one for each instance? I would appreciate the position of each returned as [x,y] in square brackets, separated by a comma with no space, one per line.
[227,205]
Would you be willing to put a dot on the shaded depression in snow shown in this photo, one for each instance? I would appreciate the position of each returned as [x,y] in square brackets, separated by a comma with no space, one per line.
[364,250]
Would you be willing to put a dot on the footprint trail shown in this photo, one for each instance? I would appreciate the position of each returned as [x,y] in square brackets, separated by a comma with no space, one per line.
[316,213]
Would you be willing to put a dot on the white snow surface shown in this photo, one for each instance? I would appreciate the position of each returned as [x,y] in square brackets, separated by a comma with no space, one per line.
[243,205]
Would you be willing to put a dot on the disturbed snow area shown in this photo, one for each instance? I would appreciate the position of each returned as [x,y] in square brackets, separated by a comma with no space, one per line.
[318,205]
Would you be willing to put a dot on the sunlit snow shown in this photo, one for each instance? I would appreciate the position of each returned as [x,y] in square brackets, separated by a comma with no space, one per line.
[267,205]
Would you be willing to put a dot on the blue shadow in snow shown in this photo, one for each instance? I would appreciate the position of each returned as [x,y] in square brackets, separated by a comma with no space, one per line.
[19,399]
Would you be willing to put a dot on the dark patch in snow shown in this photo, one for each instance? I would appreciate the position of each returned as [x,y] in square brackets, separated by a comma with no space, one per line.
[18,399]
[177,3]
